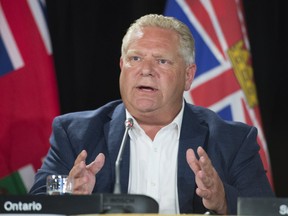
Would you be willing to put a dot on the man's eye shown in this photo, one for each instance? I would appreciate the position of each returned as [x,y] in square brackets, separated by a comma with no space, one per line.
[162,61]
[135,58]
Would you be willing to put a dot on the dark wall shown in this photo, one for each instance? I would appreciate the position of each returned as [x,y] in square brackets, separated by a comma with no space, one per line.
[267,24]
[86,38]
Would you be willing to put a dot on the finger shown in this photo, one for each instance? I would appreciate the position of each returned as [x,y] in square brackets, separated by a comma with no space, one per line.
[79,165]
[201,152]
[97,164]
[204,160]
[79,183]
[192,160]
[81,157]
[205,194]
[78,170]
[206,167]
[206,181]
[83,186]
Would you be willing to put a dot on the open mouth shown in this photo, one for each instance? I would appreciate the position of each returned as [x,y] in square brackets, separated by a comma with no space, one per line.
[146,88]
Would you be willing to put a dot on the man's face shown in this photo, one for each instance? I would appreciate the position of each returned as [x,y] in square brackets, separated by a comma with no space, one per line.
[153,74]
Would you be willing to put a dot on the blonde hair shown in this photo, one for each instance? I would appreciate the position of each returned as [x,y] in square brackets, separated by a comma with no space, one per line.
[186,40]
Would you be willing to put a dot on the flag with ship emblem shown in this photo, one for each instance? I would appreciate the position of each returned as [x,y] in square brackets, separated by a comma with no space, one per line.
[28,93]
[224,79]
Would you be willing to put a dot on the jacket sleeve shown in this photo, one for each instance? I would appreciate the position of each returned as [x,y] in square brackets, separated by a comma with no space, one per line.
[59,160]
[246,175]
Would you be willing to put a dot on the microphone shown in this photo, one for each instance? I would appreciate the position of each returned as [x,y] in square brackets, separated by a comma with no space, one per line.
[117,186]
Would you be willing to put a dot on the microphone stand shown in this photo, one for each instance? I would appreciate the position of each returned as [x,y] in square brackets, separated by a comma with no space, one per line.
[117,186]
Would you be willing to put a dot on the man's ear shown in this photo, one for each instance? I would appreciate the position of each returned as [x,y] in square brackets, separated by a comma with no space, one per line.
[190,73]
[121,62]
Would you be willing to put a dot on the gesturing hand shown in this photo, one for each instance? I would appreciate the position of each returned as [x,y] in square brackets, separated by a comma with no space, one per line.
[209,184]
[84,175]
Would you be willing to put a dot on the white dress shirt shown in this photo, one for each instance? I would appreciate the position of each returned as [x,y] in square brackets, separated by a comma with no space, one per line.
[153,164]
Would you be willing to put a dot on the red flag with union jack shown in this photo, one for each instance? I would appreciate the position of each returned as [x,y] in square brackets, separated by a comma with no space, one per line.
[224,79]
[28,92]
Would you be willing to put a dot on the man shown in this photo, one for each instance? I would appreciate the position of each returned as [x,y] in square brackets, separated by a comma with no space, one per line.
[185,157]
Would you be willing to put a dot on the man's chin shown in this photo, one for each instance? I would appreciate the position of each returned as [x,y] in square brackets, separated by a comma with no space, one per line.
[146,105]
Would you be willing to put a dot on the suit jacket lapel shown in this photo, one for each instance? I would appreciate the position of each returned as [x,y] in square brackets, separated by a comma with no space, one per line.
[115,130]
[193,134]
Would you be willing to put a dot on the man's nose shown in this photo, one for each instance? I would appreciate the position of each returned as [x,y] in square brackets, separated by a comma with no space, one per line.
[147,68]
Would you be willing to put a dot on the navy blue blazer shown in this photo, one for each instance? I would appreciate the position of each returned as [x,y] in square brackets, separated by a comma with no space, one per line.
[231,146]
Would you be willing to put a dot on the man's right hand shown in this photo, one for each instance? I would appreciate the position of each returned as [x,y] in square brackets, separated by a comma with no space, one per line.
[85,175]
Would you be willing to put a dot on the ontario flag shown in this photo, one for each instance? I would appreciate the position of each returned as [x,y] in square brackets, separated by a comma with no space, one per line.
[224,79]
[28,93]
